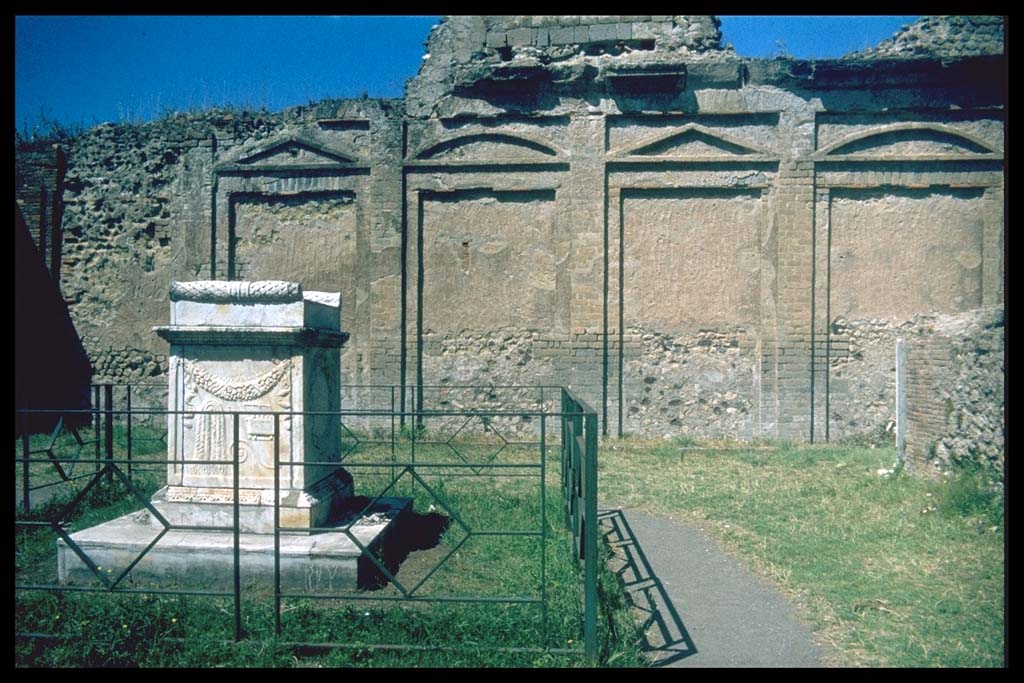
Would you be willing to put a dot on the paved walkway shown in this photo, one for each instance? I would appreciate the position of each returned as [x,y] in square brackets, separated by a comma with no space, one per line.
[704,609]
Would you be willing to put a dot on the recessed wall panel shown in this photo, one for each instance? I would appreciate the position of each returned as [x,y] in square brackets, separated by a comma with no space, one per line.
[491,262]
[896,253]
[691,258]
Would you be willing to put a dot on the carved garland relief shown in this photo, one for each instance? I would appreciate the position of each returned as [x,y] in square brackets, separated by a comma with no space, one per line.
[211,440]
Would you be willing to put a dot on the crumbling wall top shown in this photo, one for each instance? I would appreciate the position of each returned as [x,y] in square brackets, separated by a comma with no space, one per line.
[463,51]
[565,34]
[941,37]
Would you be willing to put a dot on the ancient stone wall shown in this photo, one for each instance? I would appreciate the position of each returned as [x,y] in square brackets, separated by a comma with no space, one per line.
[696,242]
[146,205]
[945,36]
[955,386]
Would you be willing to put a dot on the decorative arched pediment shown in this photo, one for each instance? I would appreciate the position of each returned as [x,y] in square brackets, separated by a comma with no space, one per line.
[293,149]
[692,142]
[909,142]
[491,147]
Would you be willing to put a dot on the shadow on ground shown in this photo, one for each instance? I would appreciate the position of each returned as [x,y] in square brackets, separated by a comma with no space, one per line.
[666,639]
[413,532]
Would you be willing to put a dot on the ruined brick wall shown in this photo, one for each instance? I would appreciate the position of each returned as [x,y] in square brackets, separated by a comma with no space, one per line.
[39,170]
[696,242]
[35,177]
[955,387]
[134,199]
[145,205]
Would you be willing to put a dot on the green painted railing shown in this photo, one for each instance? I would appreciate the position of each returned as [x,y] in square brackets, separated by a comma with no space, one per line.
[579,489]
[578,451]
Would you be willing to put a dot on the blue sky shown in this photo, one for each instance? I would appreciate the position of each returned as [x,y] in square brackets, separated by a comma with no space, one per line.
[87,70]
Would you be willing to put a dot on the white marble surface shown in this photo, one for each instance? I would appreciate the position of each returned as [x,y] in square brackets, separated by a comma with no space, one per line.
[246,377]
[238,314]
[321,310]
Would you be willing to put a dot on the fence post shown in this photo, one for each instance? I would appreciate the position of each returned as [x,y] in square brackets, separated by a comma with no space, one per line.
[393,432]
[96,423]
[128,430]
[590,539]
[565,454]
[237,532]
[277,524]
[543,531]
[108,427]
[25,452]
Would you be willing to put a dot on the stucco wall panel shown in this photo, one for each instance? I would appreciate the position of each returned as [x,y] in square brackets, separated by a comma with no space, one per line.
[900,252]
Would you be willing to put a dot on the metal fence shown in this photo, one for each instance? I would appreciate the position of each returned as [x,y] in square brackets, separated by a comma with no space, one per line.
[445,460]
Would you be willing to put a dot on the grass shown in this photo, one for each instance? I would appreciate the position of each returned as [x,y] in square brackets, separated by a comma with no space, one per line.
[102,629]
[896,572]
[148,446]
[888,571]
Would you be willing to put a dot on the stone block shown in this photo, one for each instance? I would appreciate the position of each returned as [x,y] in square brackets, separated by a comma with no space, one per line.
[520,36]
[496,39]
[642,31]
[603,32]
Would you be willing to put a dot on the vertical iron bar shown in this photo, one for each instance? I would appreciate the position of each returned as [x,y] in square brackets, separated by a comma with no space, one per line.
[578,477]
[412,480]
[604,313]
[392,432]
[237,531]
[25,451]
[96,423]
[622,303]
[564,453]
[128,430]
[814,275]
[277,524]
[590,540]
[419,310]
[828,316]
[403,317]
[543,533]
[108,426]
